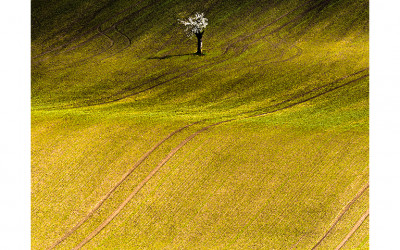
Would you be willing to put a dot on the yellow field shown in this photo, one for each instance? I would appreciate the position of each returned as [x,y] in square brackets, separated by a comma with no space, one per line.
[262,143]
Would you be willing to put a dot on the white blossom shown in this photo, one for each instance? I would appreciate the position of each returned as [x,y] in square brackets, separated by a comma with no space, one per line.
[195,24]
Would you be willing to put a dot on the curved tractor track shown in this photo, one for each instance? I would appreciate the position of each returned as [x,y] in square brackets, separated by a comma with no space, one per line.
[75,38]
[61,49]
[353,230]
[81,61]
[142,183]
[340,215]
[123,178]
[177,148]
[69,28]
[85,59]
[329,88]
[123,95]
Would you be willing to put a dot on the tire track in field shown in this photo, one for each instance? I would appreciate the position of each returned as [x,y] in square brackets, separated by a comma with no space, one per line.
[77,37]
[299,52]
[80,61]
[312,91]
[108,194]
[170,198]
[315,225]
[112,43]
[92,38]
[66,66]
[353,230]
[122,49]
[172,153]
[142,183]
[340,215]
[78,20]
[184,186]
[81,44]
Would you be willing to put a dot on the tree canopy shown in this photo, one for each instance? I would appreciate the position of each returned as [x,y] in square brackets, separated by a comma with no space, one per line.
[195,24]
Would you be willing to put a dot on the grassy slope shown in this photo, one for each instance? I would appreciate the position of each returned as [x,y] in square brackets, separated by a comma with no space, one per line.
[104,94]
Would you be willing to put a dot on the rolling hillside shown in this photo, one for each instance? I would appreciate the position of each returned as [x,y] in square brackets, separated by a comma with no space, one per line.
[262,143]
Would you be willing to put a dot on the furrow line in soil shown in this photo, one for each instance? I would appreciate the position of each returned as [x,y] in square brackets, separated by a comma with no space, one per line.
[77,37]
[340,215]
[141,184]
[353,230]
[123,178]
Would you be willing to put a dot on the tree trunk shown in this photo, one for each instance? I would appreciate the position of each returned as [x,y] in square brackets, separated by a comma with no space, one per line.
[199,42]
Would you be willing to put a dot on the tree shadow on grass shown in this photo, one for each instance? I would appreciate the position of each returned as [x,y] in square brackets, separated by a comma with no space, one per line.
[169,56]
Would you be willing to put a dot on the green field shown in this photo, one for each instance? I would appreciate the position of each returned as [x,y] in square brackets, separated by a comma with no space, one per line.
[262,143]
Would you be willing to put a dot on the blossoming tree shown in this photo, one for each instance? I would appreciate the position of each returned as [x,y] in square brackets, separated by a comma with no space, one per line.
[196,25]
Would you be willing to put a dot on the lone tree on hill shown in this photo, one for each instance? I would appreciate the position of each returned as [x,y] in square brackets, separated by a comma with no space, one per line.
[195,26]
